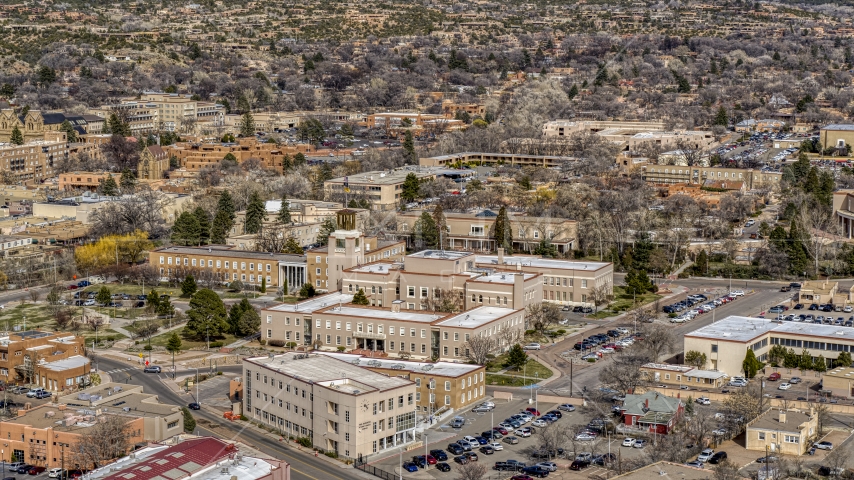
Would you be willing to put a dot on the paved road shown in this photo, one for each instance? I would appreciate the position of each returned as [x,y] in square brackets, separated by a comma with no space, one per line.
[303,467]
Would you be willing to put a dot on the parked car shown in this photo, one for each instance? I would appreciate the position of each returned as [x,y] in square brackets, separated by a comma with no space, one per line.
[604,458]
[566,407]
[496,446]
[410,467]
[717,458]
[628,442]
[639,443]
[54,472]
[784,386]
[151,369]
[43,394]
[36,470]
[823,445]
[532,346]
[703,401]
[455,449]
[795,380]
[535,471]
[443,467]
[462,460]
[774,377]
[579,464]
[705,455]
[439,455]
[511,440]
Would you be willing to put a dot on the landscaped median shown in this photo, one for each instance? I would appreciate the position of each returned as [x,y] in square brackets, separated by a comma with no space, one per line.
[499,371]
[624,302]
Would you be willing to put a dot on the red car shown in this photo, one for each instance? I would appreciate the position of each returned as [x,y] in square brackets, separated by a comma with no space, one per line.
[500,430]
[36,470]
[72,287]
[533,411]
[774,377]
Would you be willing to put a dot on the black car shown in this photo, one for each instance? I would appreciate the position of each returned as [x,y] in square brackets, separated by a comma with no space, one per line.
[462,460]
[601,460]
[439,455]
[556,413]
[579,464]
[577,310]
[141,297]
[443,467]
[548,453]
[717,458]
[487,450]
[536,471]
[455,449]
[139,305]
[194,406]
[25,468]
[512,466]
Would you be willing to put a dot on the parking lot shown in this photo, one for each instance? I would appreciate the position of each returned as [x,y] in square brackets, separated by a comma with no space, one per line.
[440,436]
[6,472]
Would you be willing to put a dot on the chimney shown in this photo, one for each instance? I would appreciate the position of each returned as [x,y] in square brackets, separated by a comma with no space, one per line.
[501,255]
[646,403]
[395,306]
[782,416]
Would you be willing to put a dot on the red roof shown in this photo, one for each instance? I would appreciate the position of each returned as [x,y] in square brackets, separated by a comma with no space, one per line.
[179,461]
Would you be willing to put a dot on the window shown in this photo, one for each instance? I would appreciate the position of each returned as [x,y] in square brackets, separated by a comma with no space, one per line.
[476,230]
[423,348]
[791,439]
[423,333]
[447,386]
[411,332]
[714,348]
[423,292]
[410,291]
[584,284]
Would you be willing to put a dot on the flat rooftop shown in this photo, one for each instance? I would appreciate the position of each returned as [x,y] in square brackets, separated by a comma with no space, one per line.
[440,254]
[381,313]
[328,371]
[770,420]
[476,317]
[440,369]
[503,277]
[552,263]
[667,471]
[381,177]
[314,303]
[230,251]
[69,363]
[735,329]
[380,268]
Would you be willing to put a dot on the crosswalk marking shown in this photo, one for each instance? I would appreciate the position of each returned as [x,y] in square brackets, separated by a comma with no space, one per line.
[118,370]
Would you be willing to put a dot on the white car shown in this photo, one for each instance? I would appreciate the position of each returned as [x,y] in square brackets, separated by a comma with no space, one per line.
[784,386]
[496,446]
[678,320]
[736,293]
[488,404]
[523,432]
[549,466]
[622,330]
[628,442]
[585,437]
[539,423]
[848,309]
[719,432]
[705,455]
[606,350]
[54,472]
[532,346]
[704,401]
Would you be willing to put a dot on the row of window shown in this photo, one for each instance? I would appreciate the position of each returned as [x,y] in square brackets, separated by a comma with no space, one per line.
[562,281]
[471,379]
[463,396]
[225,276]
[219,263]
[833,347]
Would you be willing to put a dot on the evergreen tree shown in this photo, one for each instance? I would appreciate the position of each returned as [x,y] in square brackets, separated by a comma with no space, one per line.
[188,286]
[502,232]
[573,91]
[843,359]
[256,214]
[286,163]
[249,323]
[713,67]
[601,76]
[70,132]
[292,246]
[110,188]
[820,364]
[263,288]
[328,226]
[702,262]
[204,220]
[104,296]
[117,126]
[409,148]
[721,117]
[207,316]
[186,230]
[235,312]
[284,216]
[426,235]
[798,257]
[546,249]
[189,421]
[224,218]
[127,180]
[410,187]
[173,346]
[359,298]
[247,125]
[307,291]
[751,364]
[16,137]
[517,357]
[299,159]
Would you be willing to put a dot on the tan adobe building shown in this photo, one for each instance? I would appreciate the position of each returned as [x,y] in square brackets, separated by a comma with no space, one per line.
[823,291]
[196,156]
[672,174]
[381,188]
[34,161]
[491,158]
[786,432]
[560,128]
[142,117]
[173,109]
[474,231]
[683,375]
[346,248]
[726,341]
[292,322]
[45,435]
[225,264]
[152,165]
[82,180]
[314,210]
[341,407]
[843,211]
[35,124]
[839,381]
[439,386]
[53,361]
[836,136]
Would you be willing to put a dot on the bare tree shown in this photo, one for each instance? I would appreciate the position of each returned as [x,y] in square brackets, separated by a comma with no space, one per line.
[108,439]
[34,295]
[478,349]
[445,300]
[542,316]
[472,471]
[658,340]
[624,374]
[601,295]
[509,336]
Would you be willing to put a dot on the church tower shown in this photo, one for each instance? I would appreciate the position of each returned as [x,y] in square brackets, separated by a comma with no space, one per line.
[346,248]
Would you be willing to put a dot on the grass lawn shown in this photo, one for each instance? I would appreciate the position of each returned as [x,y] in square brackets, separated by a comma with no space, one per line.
[104,334]
[623,302]
[531,373]
[188,343]
[37,316]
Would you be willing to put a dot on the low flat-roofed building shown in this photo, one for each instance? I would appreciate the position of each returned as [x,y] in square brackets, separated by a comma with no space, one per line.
[839,381]
[439,385]
[291,322]
[836,135]
[821,291]
[683,375]
[667,470]
[341,407]
[381,188]
[226,263]
[787,432]
[192,459]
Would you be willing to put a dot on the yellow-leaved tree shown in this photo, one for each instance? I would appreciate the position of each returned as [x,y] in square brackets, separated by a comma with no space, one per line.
[112,250]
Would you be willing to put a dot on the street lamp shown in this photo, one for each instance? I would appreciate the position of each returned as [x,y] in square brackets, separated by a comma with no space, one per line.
[197,385]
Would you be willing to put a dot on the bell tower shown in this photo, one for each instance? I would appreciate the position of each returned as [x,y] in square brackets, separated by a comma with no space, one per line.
[346,248]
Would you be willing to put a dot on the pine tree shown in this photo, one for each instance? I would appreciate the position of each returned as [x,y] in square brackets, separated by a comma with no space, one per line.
[186,230]
[721,117]
[204,225]
[263,288]
[109,188]
[224,218]
[409,148]
[127,180]
[247,125]
[713,67]
[16,137]
[286,163]
[410,187]
[299,159]
[173,346]
[426,233]
[188,286]
[516,357]
[70,132]
[573,91]
[256,214]
[235,312]
[189,421]
[359,298]
[502,231]
[292,246]
[441,225]
[284,216]
[750,365]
